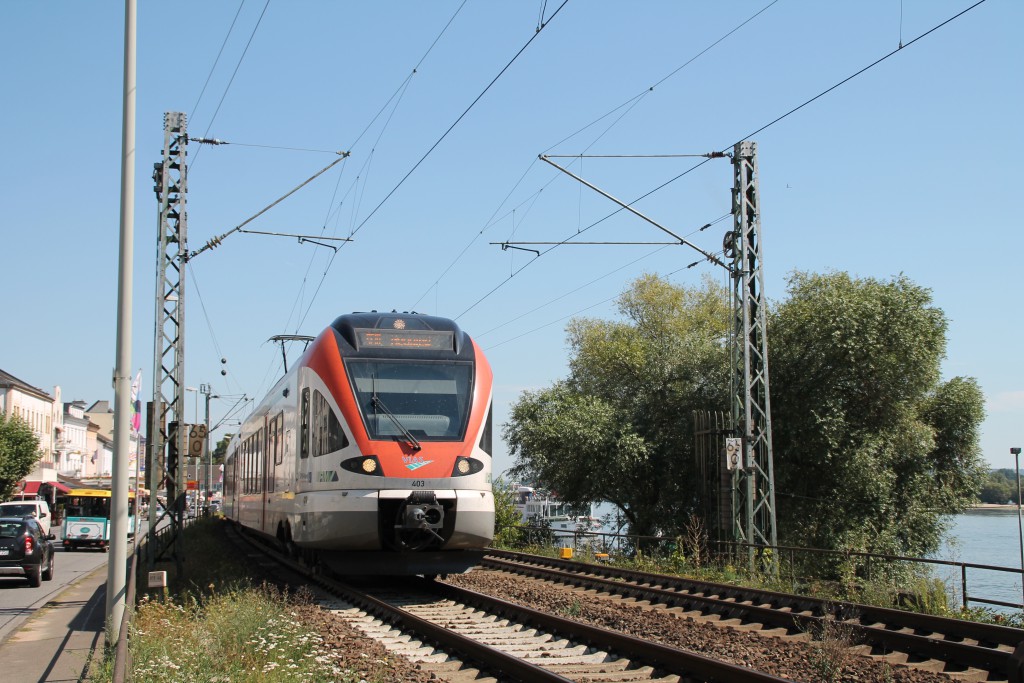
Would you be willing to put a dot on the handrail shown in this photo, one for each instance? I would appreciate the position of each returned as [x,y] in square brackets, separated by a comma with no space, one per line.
[565,534]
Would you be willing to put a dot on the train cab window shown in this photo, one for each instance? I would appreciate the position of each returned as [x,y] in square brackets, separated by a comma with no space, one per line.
[486,437]
[304,426]
[430,400]
[328,436]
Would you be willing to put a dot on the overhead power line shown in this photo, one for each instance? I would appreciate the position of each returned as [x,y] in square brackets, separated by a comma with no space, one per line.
[233,74]
[723,151]
[461,116]
[399,94]
[849,78]
[628,106]
[438,142]
[216,60]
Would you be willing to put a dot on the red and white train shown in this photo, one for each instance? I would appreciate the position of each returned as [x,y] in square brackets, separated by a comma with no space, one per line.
[372,455]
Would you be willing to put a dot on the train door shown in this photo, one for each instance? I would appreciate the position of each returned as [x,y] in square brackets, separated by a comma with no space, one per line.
[231,485]
[303,472]
[261,473]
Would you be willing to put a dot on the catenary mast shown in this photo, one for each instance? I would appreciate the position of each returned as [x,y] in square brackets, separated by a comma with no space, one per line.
[167,448]
[753,479]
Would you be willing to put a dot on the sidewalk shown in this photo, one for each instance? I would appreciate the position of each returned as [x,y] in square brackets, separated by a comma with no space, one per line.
[58,641]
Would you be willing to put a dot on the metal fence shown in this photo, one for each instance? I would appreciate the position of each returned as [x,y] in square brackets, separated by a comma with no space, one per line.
[790,558]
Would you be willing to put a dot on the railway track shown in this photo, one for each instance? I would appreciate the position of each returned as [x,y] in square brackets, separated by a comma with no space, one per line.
[461,635]
[966,650]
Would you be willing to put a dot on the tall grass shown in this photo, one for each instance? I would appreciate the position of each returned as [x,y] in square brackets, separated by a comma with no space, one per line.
[248,634]
[214,623]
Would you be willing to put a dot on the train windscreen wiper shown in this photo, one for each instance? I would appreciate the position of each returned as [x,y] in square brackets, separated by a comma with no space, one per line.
[377,403]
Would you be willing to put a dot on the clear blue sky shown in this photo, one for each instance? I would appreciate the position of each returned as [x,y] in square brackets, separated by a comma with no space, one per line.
[912,167]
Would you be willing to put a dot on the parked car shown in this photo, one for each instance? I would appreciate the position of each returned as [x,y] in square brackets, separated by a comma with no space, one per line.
[25,550]
[40,509]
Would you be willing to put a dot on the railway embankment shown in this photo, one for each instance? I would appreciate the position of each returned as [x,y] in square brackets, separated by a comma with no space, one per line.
[225,618]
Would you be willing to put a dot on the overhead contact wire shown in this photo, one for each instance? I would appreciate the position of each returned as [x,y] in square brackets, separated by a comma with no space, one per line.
[629,104]
[858,73]
[217,60]
[399,93]
[461,116]
[232,79]
[746,137]
[587,308]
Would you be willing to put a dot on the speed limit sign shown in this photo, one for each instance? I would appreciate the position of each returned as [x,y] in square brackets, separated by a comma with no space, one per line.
[196,440]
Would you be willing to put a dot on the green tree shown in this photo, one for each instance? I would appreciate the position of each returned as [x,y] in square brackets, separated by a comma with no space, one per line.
[19,452]
[999,487]
[221,449]
[871,449]
[506,514]
[618,428]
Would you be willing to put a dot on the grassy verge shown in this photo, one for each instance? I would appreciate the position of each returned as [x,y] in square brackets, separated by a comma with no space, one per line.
[212,625]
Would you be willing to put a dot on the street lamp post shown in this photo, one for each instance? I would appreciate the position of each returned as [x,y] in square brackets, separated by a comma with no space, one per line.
[1020,532]
[206,389]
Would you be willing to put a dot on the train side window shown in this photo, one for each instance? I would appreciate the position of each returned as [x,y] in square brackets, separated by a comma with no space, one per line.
[304,426]
[279,439]
[327,433]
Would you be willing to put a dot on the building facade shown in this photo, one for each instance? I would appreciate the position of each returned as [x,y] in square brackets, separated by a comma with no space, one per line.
[73,449]
[42,412]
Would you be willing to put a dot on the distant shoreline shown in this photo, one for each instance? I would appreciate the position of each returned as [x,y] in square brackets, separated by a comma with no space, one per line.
[994,506]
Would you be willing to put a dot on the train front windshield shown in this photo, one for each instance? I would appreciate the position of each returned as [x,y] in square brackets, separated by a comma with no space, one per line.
[429,400]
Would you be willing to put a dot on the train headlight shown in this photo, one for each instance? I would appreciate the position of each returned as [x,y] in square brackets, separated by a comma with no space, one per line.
[464,466]
[363,464]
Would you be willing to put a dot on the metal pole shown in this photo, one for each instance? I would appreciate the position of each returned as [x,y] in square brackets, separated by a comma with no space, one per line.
[1020,533]
[116,570]
[205,388]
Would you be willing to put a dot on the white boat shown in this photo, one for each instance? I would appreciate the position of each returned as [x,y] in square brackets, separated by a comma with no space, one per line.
[542,508]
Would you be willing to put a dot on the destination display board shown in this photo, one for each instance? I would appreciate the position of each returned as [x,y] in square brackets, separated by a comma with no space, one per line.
[426,340]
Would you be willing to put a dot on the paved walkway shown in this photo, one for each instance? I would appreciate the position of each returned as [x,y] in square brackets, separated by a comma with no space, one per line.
[58,642]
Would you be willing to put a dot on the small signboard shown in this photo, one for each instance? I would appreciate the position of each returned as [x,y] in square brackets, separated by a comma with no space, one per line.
[733,453]
[196,440]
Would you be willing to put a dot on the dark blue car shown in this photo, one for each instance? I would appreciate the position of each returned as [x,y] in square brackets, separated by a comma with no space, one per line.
[25,550]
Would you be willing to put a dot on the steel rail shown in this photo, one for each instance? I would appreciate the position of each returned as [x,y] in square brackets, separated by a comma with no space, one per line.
[749,605]
[492,660]
[671,659]
[952,628]
[511,667]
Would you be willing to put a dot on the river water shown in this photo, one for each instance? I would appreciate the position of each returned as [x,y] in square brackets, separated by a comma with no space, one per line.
[984,536]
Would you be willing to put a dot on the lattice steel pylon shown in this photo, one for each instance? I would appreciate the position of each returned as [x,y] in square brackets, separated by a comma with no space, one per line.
[754,480]
[164,465]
